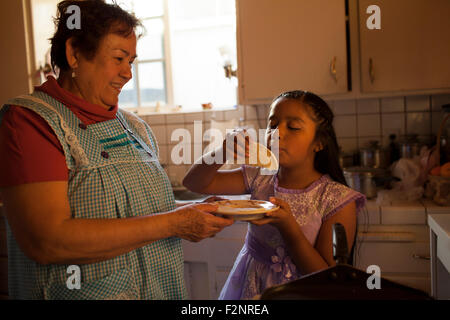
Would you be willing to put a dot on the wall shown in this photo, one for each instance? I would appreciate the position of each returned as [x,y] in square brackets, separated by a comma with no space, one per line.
[356,122]
[43,12]
[15,62]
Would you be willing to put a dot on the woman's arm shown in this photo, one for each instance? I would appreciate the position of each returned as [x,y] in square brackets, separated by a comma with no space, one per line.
[40,218]
[306,257]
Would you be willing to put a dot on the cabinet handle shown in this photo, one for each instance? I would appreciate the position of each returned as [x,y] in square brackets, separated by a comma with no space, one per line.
[421,257]
[333,69]
[371,73]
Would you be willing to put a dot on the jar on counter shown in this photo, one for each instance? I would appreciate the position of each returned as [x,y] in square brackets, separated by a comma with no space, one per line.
[410,147]
[371,157]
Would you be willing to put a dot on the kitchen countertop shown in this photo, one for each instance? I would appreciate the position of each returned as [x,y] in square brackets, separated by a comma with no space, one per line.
[400,212]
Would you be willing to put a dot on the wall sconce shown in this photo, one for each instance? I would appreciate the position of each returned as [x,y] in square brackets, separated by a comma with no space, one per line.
[229,72]
[227,57]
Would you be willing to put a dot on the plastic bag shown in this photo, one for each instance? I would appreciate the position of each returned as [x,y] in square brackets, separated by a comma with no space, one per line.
[410,186]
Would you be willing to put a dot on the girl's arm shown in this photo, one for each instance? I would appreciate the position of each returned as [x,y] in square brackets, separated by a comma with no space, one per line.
[207,179]
[307,258]
[40,218]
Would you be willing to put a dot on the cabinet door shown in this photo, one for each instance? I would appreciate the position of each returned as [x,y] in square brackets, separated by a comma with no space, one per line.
[14,62]
[290,45]
[411,50]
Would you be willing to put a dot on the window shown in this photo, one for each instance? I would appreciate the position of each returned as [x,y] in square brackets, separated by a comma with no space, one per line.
[149,83]
[181,56]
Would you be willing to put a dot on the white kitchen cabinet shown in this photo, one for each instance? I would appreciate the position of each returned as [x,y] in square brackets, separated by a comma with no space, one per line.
[294,44]
[288,45]
[440,255]
[410,51]
[396,238]
[401,252]
[209,262]
[15,63]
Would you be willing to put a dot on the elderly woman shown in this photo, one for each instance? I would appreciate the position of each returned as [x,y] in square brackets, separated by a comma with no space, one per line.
[81,181]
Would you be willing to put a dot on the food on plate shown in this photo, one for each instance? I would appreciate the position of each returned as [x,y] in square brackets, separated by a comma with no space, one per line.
[244,209]
[241,204]
[263,157]
[436,171]
[445,170]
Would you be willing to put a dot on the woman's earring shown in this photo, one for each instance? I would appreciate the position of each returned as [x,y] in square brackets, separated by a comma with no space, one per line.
[73,73]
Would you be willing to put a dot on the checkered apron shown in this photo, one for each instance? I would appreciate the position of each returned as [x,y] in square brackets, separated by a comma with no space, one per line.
[113,173]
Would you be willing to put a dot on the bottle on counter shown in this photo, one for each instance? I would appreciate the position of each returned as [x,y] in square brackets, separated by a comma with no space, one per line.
[394,150]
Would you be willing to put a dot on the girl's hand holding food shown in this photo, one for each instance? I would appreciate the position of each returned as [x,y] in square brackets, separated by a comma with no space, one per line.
[236,145]
[281,218]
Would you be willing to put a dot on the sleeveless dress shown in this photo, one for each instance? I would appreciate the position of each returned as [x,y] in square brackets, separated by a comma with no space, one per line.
[263,260]
[113,173]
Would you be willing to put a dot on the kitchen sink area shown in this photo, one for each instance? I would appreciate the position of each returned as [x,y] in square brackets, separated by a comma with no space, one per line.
[183,194]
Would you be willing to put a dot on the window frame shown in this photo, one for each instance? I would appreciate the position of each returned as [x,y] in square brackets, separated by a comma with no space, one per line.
[165,60]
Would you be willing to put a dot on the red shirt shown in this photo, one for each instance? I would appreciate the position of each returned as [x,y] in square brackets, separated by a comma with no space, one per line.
[29,149]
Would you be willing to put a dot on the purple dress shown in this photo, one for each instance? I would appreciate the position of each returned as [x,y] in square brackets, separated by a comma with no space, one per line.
[263,261]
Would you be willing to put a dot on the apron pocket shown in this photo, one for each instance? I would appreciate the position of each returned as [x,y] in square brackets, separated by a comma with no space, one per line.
[116,286]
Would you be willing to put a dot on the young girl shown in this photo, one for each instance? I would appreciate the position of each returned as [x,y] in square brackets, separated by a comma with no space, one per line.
[309,187]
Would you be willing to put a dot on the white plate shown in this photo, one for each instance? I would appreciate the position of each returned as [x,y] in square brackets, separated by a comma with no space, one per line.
[245,209]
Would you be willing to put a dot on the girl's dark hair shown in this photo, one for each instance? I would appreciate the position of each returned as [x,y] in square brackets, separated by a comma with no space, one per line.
[326,160]
[97,20]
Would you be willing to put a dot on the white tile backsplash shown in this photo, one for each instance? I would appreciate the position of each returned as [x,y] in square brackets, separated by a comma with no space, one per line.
[255,124]
[418,123]
[175,118]
[251,112]
[190,117]
[163,154]
[396,104]
[155,119]
[348,145]
[356,122]
[369,125]
[417,103]
[160,133]
[214,115]
[235,114]
[436,119]
[393,123]
[178,135]
[365,142]
[438,100]
[344,107]
[345,126]
[366,106]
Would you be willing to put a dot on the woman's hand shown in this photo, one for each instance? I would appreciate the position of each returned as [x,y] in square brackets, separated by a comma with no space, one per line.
[195,222]
[281,218]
